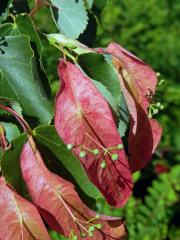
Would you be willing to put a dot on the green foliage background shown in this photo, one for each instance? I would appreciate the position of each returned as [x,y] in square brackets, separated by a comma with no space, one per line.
[150,29]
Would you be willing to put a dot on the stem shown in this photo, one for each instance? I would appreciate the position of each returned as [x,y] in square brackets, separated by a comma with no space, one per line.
[104,149]
[13,17]
[23,123]
[67,208]
[3,140]
[76,220]
[64,51]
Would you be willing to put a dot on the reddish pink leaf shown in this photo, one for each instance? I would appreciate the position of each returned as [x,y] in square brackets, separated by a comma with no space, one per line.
[59,203]
[19,219]
[83,119]
[138,82]
[161,168]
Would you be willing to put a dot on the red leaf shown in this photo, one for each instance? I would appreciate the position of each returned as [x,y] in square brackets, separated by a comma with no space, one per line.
[138,82]
[59,203]
[161,168]
[19,219]
[83,119]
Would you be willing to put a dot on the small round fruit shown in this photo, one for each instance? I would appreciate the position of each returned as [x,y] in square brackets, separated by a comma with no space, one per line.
[114,157]
[69,146]
[82,154]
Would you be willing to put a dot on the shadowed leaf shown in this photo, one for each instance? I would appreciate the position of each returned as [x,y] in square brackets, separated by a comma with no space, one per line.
[138,82]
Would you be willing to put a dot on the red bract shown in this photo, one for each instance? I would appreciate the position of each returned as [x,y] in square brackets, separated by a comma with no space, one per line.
[84,121]
[59,203]
[19,219]
[138,82]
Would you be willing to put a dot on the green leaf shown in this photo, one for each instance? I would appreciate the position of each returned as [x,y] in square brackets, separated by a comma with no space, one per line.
[107,95]
[10,164]
[97,68]
[48,137]
[100,4]
[9,29]
[4,9]
[23,25]
[56,236]
[136,176]
[124,116]
[89,3]
[17,80]
[101,70]
[72,44]
[71,17]
[16,107]
[11,130]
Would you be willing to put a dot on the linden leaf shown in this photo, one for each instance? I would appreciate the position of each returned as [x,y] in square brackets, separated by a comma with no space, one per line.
[19,219]
[60,205]
[4,9]
[48,137]
[18,81]
[138,83]
[83,118]
[97,68]
[70,17]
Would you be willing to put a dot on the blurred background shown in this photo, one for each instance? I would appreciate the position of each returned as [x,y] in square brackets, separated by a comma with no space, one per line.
[150,30]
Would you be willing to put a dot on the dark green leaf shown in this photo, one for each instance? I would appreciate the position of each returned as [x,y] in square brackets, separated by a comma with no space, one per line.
[72,44]
[70,17]
[89,3]
[23,25]
[21,6]
[17,80]
[100,4]
[16,107]
[124,117]
[107,94]
[11,130]
[4,9]
[97,68]
[56,236]
[48,137]
[10,164]
[101,70]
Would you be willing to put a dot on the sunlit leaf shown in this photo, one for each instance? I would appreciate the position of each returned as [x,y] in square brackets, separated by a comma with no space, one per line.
[17,80]
[11,130]
[48,136]
[19,219]
[83,119]
[60,205]
[70,17]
